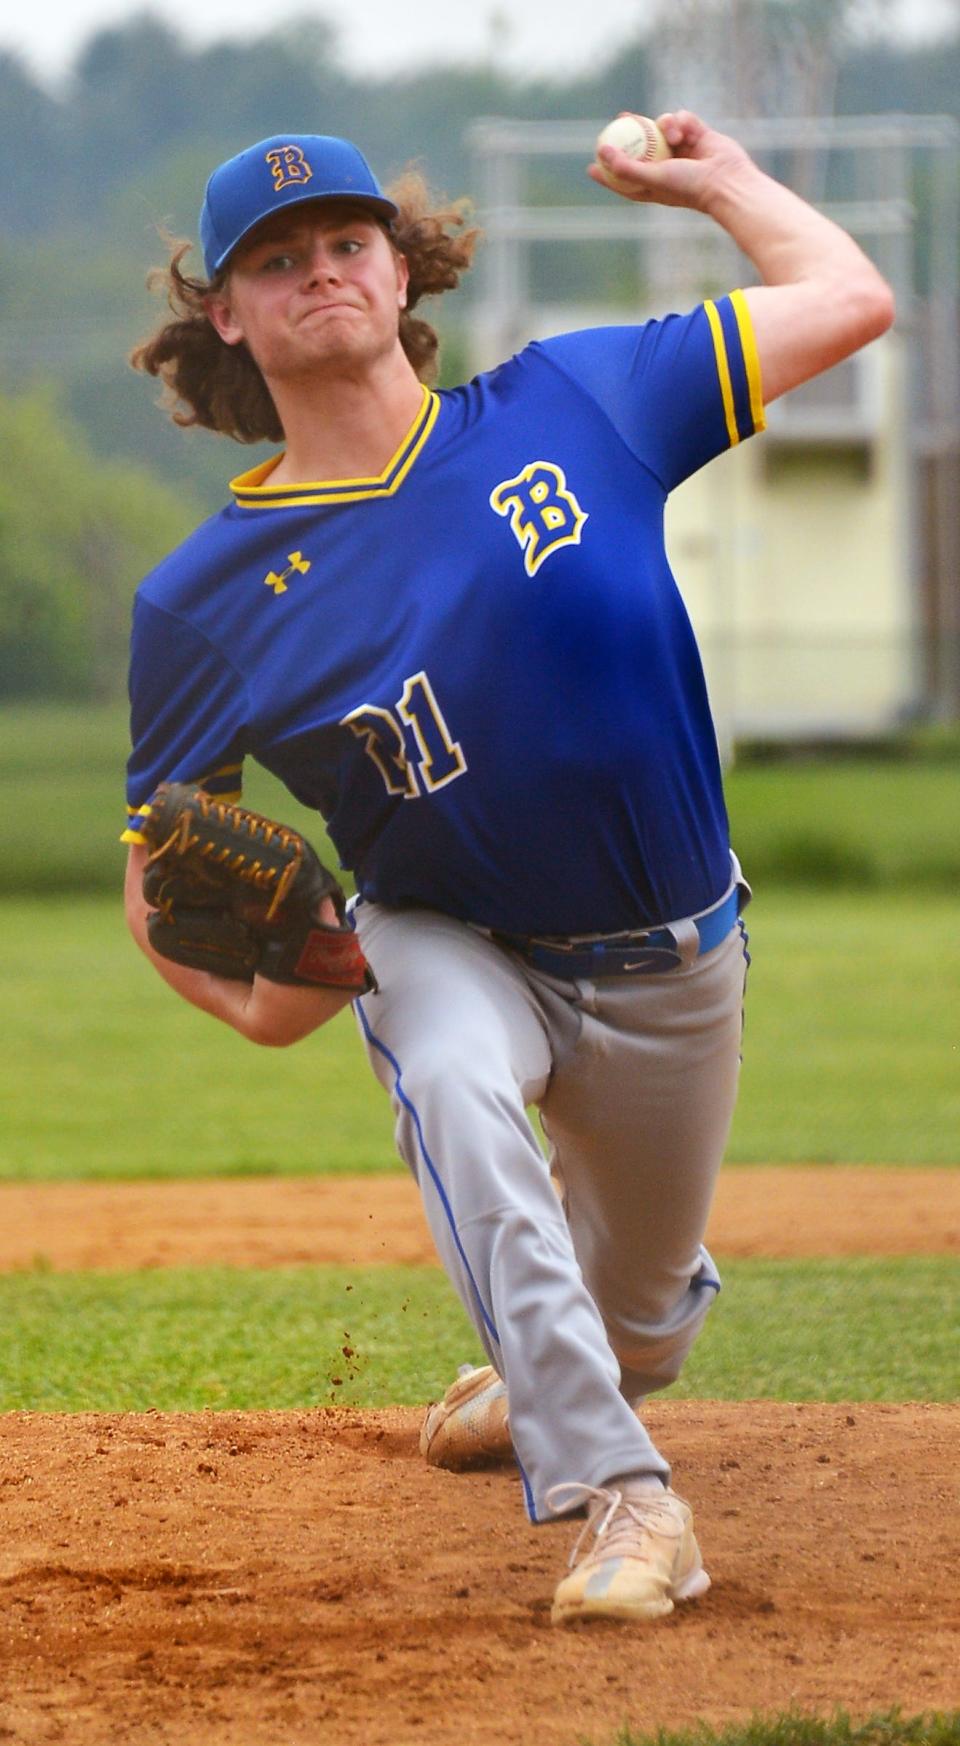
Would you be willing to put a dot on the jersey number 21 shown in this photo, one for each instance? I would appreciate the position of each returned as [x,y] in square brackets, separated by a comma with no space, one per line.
[439,757]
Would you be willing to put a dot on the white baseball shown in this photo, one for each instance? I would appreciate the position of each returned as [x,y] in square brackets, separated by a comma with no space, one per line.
[640,138]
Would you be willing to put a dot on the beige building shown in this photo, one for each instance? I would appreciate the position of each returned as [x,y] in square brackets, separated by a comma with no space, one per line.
[794,557]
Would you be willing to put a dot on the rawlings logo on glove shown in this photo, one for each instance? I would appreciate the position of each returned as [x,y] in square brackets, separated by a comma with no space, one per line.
[239,895]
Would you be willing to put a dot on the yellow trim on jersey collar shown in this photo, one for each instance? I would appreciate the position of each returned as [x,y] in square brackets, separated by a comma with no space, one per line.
[251,491]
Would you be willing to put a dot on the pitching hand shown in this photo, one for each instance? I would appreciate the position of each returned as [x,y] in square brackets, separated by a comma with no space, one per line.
[702,165]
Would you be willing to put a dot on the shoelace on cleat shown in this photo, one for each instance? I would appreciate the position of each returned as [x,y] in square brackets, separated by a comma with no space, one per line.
[650,1514]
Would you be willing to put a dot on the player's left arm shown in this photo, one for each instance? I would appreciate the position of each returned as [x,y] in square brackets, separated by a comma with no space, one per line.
[821,297]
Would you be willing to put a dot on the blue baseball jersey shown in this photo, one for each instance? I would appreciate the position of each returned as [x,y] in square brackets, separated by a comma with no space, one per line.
[477,667]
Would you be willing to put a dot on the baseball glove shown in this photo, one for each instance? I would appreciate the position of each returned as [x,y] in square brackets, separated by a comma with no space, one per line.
[239,895]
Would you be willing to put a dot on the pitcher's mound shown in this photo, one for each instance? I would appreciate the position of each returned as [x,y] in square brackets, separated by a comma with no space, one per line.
[262,1579]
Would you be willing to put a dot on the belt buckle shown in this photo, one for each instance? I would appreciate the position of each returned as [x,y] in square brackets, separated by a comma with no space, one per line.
[650,960]
[648,952]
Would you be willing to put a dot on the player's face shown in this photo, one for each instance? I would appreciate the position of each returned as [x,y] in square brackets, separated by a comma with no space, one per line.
[317,289]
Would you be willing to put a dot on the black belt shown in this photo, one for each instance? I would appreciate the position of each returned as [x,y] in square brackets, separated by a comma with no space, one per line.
[649,952]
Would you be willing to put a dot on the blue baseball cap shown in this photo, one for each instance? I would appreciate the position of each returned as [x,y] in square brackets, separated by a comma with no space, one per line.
[284,171]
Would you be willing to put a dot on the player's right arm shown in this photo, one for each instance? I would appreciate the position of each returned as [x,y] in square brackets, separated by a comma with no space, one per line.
[821,297]
[272,1013]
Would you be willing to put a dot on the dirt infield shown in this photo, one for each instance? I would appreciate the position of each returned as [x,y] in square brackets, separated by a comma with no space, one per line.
[771,1211]
[226,1579]
[253,1580]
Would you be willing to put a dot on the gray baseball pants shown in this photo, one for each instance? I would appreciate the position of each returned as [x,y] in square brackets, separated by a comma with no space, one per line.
[586,1306]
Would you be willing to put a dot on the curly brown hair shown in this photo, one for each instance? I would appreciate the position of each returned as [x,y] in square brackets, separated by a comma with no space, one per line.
[218,386]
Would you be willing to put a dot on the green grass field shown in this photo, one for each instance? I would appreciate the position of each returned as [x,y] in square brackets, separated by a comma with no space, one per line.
[853,1035]
[184,1338]
[887,1729]
[852,1052]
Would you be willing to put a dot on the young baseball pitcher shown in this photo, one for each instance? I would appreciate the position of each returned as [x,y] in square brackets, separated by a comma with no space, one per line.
[446,620]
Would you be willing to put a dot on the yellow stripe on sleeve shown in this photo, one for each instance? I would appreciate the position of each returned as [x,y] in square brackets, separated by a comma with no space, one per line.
[751,358]
[131,834]
[723,371]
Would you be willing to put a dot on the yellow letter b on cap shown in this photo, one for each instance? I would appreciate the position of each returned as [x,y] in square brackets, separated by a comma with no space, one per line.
[288,166]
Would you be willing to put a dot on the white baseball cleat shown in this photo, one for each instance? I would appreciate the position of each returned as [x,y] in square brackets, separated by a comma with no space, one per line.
[469,1426]
[634,1557]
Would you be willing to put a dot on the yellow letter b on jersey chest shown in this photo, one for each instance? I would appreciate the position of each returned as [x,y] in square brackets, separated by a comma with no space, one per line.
[544,514]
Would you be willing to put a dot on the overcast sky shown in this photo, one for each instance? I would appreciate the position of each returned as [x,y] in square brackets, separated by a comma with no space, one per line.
[381,35]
